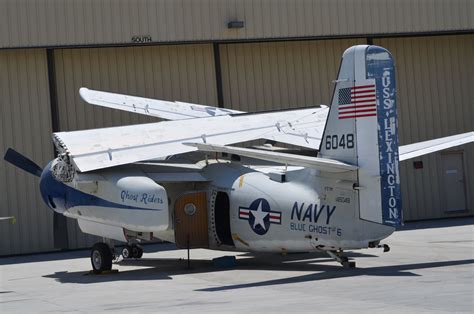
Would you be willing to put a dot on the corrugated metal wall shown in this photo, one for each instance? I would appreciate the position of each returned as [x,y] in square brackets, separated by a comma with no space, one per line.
[83,22]
[25,125]
[280,75]
[184,73]
[436,98]
[435,76]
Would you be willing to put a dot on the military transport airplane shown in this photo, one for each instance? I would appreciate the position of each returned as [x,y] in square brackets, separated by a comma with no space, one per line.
[141,182]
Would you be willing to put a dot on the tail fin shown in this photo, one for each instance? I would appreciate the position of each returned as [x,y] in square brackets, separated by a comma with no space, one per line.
[362,130]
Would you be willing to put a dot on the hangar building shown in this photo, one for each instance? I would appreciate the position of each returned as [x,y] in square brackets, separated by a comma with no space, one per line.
[247,55]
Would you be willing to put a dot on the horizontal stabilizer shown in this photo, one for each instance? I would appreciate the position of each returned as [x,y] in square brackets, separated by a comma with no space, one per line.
[322,164]
[426,147]
[152,107]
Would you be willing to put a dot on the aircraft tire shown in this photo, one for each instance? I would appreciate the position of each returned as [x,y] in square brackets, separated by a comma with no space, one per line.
[101,258]
[127,252]
[140,252]
[137,251]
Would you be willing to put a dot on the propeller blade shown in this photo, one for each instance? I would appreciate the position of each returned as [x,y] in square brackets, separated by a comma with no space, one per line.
[22,162]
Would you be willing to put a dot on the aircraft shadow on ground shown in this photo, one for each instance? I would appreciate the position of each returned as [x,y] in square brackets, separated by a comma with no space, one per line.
[167,268]
[336,272]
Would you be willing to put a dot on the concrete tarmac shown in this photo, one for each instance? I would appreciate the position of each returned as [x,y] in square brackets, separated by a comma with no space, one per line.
[430,268]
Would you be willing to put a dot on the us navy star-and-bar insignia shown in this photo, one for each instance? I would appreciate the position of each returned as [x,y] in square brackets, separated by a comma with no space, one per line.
[259,216]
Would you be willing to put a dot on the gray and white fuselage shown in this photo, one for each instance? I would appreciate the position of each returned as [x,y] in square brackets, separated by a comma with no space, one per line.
[268,210]
[348,197]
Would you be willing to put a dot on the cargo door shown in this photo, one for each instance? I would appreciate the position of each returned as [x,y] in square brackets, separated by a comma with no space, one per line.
[190,215]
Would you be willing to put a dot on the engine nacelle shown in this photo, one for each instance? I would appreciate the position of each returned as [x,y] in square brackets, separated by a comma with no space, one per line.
[129,200]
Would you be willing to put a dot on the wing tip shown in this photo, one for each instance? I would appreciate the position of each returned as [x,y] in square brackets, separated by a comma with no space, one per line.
[83,91]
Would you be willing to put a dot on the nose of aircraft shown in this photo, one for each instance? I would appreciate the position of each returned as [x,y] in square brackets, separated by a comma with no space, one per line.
[52,191]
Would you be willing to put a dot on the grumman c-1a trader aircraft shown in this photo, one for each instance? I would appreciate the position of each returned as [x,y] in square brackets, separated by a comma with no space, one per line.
[140,182]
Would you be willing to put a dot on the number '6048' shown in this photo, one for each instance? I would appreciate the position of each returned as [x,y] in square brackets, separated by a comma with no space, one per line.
[339,141]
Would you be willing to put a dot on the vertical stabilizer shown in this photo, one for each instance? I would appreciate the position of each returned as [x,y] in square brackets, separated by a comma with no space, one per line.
[362,130]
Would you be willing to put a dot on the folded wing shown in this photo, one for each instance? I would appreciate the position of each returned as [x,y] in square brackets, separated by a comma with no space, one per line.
[152,107]
[101,148]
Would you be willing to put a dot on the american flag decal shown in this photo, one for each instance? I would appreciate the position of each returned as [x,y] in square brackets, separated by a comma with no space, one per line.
[357,102]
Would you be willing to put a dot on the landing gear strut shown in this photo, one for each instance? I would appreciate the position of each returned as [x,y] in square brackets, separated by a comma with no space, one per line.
[342,259]
[101,258]
[132,251]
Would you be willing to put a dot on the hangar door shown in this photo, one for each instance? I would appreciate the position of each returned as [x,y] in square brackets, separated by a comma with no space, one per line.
[181,72]
[25,125]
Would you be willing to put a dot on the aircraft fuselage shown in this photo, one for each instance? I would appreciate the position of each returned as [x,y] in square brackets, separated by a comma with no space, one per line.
[234,207]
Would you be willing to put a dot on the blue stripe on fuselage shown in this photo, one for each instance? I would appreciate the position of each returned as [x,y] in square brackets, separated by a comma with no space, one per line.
[65,197]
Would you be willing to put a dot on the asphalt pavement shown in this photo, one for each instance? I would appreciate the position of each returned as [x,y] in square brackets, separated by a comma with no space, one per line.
[430,268]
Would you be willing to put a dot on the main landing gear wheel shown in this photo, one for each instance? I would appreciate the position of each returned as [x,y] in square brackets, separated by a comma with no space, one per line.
[137,251]
[127,252]
[101,258]
[132,251]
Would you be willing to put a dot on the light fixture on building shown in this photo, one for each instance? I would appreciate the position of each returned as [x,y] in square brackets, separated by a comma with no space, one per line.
[235,24]
[418,164]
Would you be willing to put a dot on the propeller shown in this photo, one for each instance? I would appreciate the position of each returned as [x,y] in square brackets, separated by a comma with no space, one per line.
[22,162]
